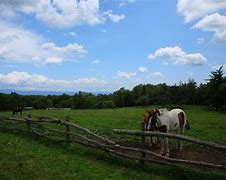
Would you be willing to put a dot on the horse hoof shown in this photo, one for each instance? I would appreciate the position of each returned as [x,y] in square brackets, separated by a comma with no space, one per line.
[161,153]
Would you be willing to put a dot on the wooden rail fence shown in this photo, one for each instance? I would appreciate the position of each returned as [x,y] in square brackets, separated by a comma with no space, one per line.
[67,132]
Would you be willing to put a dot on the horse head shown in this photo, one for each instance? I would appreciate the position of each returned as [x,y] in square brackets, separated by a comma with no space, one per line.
[150,118]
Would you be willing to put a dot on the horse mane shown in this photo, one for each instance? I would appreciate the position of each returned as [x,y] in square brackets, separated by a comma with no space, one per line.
[162,110]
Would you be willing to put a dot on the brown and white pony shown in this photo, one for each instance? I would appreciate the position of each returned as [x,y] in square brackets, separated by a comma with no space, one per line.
[150,125]
[166,121]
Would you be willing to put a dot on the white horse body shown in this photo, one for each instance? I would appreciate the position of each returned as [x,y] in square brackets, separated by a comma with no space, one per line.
[171,121]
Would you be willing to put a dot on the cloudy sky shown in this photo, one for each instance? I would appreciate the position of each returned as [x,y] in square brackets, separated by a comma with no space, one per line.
[102,45]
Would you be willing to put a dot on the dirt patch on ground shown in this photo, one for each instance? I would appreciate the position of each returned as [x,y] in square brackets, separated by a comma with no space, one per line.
[200,154]
[194,153]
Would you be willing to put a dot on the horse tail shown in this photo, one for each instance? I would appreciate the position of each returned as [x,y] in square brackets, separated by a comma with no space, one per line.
[187,126]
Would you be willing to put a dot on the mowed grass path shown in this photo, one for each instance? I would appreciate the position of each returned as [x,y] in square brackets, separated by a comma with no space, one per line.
[26,157]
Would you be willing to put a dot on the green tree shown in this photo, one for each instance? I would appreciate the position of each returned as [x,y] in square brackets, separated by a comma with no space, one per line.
[16,100]
[142,100]
[4,102]
[83,100]
[216,89]
[123,98]
[188,92]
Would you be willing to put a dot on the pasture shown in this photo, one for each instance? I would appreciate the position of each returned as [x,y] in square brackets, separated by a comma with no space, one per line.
[33,157]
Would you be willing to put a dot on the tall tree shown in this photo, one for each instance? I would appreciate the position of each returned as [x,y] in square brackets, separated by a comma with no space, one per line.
[123,98]
[216,88]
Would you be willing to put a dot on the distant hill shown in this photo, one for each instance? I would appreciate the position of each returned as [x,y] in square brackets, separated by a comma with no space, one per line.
[45,93]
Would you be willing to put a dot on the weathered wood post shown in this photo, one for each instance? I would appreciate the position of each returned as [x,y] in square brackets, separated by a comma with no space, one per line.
[68,138]
[28,121]
[143,154]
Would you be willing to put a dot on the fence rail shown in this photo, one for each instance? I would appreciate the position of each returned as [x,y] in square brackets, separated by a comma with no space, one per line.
[67,132]
[173,136]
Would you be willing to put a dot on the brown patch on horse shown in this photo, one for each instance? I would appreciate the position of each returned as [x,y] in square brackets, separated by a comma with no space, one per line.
[150,114]
[181,118]
[146,117]
[157,111]
[175,124]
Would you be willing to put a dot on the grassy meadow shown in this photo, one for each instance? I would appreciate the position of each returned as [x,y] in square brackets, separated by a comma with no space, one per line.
[31,157]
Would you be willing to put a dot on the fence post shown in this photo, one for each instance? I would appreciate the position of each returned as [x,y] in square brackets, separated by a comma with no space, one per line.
[68,138]
[143,154]
[28,122]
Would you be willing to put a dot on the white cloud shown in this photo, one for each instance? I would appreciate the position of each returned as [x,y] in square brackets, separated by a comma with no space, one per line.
[138,80]
[218,66]
[53,60]
[193,9]
[178,56]
[10,8]
[125,74]
[114,17]
[58,13]
[158,74]
[200,40]
[26,81]
[165,63]
[122,4]
[214,23]
[97,61]
[143,69]
[72,33]
[69,49]
[20,45]
[103,30]
[209,14]
[125,3]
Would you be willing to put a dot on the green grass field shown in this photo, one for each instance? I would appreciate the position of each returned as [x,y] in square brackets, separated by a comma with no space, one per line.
[26,157]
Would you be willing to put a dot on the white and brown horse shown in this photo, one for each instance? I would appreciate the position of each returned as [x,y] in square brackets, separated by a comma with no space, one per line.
[167,121]
[150,125]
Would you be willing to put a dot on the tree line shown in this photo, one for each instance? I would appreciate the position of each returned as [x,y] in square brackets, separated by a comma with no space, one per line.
[212,93]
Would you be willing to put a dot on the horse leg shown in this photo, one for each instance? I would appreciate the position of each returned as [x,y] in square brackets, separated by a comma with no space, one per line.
[179,142]
[162,147]
[151,140]
[164,141]
[157,141]
[148,139]
[167,147]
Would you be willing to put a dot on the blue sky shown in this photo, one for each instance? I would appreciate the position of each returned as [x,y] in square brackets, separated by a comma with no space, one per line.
[104,45]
